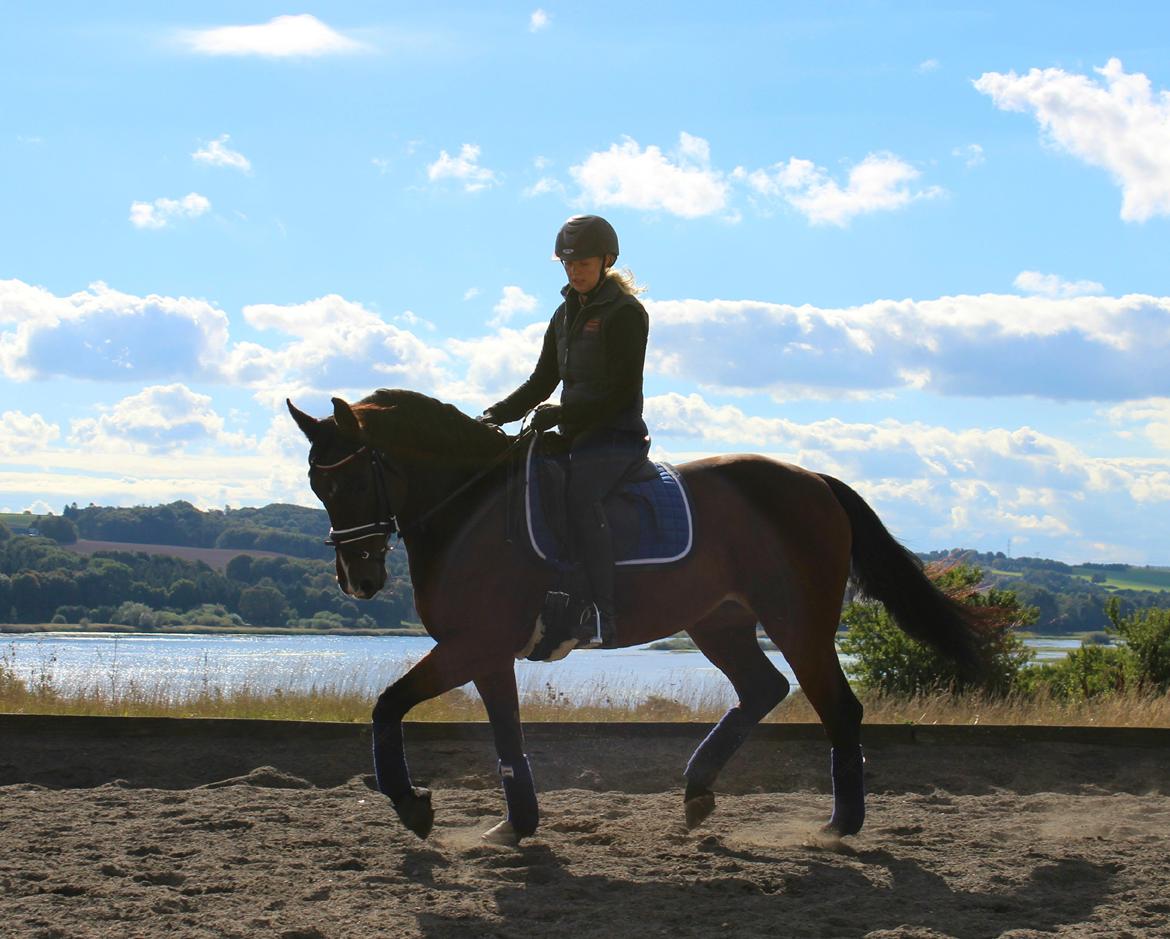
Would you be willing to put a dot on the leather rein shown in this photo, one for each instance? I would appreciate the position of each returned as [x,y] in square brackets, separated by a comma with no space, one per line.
[386,523]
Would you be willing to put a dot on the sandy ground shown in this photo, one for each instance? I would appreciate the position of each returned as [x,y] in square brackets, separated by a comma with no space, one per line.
[1022,840]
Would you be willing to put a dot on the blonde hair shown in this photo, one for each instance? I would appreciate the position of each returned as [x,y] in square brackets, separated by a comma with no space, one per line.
[626,280]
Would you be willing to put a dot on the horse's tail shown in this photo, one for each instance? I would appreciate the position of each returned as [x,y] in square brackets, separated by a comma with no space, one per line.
[889,573]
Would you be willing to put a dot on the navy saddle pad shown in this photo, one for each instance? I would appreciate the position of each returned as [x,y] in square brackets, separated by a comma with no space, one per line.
[650,516]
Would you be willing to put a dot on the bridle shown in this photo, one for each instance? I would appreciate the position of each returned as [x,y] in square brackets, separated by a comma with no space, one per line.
[386,523]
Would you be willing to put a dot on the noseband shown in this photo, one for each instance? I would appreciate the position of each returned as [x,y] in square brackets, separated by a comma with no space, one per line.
[388,522]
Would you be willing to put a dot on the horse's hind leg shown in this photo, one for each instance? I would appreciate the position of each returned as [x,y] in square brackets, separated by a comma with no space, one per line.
[498,691]
[728,639]
[807,640]
[448,665]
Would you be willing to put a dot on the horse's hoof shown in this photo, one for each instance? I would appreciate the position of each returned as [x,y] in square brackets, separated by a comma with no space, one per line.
[502,833]
[698,808]
[844,824]
[416,811]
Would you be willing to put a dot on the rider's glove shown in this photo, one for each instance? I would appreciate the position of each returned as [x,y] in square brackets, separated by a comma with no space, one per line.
[487,417]
[546,417]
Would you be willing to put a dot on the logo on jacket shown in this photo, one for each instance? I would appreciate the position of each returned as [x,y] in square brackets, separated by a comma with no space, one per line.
[592,326]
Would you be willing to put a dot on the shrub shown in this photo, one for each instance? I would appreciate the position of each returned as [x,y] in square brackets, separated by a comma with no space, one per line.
[1146,634]
[889,661]
[1092,671]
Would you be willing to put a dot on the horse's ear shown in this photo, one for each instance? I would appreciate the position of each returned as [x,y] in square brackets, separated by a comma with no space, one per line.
[307,424]
[347,422]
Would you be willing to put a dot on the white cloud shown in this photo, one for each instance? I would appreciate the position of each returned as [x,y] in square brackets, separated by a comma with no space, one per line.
[683,183]
[162,212]
[538,20]
[470,293]
[928,65]
[1075,348]
[159,418]
[544,186]
[20,432]
[1149,417]
[336,344]
[464,168]
[494,365]
[102,334]
[1053,285]
[280,37]
[972,155]
[880,182]
[513,300]
[217,153]
[1119,126]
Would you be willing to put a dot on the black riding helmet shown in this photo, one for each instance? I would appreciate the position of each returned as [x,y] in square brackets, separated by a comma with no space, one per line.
[585,236]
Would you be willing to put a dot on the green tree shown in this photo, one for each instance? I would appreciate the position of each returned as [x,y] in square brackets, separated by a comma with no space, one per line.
[1146,634]
[263,606]
[889,661]
[60,529]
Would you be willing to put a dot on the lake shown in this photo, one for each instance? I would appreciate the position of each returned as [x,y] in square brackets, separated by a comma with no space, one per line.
[181,663]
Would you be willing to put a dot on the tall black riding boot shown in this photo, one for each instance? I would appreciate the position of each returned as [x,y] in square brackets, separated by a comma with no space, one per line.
[598,624]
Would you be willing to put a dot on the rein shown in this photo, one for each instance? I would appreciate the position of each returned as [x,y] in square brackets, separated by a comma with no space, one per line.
[379,466]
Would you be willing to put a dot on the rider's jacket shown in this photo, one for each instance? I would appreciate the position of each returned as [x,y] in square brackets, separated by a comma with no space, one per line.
[597,349]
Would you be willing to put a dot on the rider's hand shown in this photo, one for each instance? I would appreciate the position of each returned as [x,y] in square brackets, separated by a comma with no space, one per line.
[547,416]
[487,417]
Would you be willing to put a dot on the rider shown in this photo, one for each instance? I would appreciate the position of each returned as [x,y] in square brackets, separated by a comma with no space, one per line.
[595,345]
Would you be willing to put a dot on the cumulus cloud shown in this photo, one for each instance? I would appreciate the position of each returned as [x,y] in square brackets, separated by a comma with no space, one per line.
[23,433]
[881,182]
[280,37]
[494,365]
[463,168]
[538,20]
[1118,124]
[335,344]
[158,418]
[1053,285]
[1148,418]
[928,65]
[513,300]
[217,153]
[682,183]
[102,334]
[161,212]
[1075,348]
[989,486]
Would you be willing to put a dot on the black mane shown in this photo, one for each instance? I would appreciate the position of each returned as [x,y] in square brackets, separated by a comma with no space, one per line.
[396,419]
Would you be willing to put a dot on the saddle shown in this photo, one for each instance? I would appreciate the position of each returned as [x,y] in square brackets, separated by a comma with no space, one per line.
[650,520]
[649,512]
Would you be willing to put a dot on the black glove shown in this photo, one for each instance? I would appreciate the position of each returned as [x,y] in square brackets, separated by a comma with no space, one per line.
[547,416]
[487,417]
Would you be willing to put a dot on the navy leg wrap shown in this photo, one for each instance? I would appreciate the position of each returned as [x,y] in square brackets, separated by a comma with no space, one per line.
[520,794]
[390,760]
[713,753]
[848,766]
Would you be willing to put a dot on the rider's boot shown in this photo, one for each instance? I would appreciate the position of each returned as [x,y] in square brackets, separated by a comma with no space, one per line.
[598,625]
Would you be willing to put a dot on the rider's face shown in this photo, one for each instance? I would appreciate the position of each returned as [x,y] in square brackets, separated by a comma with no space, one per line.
[584,273]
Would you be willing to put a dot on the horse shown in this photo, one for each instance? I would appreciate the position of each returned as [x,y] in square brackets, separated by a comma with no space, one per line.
[775,545]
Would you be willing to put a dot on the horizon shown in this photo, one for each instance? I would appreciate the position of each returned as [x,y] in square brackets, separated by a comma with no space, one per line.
[918,247]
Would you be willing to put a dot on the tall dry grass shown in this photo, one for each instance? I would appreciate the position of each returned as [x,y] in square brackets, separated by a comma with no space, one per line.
[346,698]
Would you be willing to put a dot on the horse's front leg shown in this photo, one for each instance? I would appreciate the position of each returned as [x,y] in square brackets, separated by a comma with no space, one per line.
[502,703]
[448,665]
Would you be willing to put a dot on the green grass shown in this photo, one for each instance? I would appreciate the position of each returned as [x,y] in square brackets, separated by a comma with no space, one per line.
[1136,578]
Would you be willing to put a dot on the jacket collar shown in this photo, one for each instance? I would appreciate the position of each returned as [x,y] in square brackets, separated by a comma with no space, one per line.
[607,290]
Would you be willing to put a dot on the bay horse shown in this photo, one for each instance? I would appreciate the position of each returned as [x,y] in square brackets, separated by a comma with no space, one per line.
[774,544]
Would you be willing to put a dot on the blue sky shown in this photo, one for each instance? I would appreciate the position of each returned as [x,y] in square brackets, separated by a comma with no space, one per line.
[919,246]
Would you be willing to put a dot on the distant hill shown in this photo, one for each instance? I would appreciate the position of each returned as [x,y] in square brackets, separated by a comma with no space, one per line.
[215,558]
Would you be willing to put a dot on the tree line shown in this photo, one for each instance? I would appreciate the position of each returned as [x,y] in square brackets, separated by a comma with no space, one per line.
[42,582]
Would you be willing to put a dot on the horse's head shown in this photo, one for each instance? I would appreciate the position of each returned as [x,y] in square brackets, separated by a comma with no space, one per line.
[359,491]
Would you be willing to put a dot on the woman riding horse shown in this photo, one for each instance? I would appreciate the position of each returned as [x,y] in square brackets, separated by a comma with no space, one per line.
[595,346]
